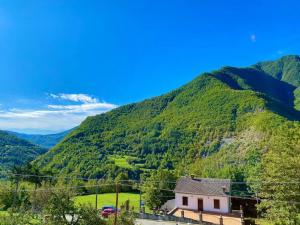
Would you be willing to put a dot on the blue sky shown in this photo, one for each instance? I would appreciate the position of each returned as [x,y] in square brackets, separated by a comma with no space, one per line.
[61,61]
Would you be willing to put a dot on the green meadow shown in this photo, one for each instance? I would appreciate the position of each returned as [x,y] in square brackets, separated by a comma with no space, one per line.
[110,199]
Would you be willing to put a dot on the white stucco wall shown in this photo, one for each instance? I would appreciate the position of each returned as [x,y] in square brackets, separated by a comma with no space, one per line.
[208,202]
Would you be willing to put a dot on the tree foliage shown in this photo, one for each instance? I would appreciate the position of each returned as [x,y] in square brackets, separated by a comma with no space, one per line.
[280,188]
[15,151]
[158,188]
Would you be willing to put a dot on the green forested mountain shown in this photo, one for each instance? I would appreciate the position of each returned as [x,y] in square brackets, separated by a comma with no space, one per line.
[45,141]
[221,124]
[286,69]
[16,151]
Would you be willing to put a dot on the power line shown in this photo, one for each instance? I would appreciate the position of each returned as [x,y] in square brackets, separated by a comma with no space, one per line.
[207,180]
[162,189]
[55,177]
[61,188]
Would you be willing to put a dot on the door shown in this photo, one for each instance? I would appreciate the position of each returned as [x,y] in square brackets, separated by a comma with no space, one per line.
[200,204]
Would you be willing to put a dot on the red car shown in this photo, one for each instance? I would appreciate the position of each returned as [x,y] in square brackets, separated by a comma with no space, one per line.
[107,212]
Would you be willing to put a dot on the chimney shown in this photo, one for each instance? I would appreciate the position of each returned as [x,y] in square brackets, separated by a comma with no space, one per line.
[224,189]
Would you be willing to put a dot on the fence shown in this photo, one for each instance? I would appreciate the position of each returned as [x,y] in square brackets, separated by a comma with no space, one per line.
[170,218]
[209,217]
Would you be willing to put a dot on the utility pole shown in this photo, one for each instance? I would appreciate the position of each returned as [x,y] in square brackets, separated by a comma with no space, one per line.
[97,191]
[140,197]
[16,191]
[256,195]
[117,201]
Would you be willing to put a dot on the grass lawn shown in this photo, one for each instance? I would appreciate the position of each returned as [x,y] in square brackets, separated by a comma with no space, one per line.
[3,213]
[121,161]
[110,199]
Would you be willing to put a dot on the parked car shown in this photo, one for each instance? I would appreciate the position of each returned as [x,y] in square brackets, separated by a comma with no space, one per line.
[107,207]
[107,212]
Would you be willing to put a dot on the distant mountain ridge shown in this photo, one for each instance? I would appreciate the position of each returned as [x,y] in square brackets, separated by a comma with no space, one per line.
[186,129]
[45,141]
[285,69]
[15,151]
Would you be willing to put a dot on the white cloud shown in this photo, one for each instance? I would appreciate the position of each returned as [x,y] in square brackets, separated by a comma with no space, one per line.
[84,98]
[84,107]
[279,52]
[54,117]
[253,37]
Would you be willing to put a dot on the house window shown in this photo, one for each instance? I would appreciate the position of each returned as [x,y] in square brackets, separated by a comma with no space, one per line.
[216,203]
[185,201]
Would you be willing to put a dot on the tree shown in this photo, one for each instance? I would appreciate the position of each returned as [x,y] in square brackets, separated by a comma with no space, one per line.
[41,197]
[33,175]
[158,188]
[6,196]
[10,199]
[280,178]
[62,208]
[16,177]
[88,215]
[123,179]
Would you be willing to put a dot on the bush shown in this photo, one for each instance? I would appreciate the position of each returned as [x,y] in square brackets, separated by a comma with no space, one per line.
[8,199]
[59,206]
[122,219]
[23,218]
[89,215]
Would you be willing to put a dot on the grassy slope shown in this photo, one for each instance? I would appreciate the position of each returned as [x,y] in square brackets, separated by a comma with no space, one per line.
[3,213]
[122,161]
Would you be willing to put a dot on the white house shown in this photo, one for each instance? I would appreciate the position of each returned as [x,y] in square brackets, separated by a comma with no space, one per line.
[202,194]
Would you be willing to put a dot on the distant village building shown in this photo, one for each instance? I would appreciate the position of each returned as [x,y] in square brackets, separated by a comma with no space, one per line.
[202,194]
